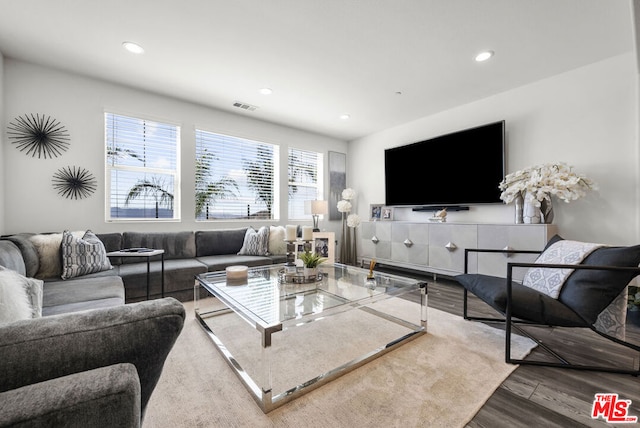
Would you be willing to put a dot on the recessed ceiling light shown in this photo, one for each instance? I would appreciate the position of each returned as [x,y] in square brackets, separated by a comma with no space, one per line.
[266,91]
[133,47]
[345,117]
[483,56]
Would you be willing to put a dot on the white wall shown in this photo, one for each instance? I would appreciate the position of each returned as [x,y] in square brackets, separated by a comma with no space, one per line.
[32,204]
[587,117]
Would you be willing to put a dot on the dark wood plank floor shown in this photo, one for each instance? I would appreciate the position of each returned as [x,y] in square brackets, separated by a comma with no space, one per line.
[535,396]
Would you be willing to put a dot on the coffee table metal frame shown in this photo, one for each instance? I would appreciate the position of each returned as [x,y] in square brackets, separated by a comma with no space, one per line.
[261,391]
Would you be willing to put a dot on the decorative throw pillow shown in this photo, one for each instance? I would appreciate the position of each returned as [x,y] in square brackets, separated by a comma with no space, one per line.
[589,292]
[82,256]
[549,281]
[277,246]
[255,243]
[20,297]
[48,249]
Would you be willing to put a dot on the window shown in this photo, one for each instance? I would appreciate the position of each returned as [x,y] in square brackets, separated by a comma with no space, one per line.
[235,178]
[305,180]
[142,174]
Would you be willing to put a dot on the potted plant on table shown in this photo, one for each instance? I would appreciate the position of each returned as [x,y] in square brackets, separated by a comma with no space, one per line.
[310,263]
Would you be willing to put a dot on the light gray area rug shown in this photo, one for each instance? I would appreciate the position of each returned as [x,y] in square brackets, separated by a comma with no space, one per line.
[440,379]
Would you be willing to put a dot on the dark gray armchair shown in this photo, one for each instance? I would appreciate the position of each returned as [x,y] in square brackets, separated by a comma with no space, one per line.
[588,291]
[95,368]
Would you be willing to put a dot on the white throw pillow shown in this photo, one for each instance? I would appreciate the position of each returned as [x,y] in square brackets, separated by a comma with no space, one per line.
[48,248]
[20,297]
[277,245]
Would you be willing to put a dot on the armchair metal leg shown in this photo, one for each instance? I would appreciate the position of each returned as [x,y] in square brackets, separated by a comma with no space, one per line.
[511,324]
[563,362]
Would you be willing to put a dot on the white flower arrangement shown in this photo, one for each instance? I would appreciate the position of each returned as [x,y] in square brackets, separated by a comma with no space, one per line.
[353,220]
[540,182]
[348,194]
[344,206]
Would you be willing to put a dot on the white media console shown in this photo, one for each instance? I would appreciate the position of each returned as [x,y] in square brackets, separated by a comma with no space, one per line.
[438,248]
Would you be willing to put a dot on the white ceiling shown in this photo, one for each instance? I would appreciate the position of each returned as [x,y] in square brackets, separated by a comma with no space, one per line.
[322,58]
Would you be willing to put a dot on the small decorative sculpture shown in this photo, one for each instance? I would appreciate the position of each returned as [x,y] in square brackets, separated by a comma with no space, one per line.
[441,215]
[74,183]
[42,135]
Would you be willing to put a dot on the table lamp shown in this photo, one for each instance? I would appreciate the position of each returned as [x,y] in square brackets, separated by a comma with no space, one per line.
[316,208]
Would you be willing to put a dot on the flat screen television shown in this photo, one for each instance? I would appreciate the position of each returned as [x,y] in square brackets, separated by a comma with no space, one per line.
[458,169]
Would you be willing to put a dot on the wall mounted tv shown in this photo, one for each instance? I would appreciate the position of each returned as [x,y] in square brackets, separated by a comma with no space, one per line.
[458,169]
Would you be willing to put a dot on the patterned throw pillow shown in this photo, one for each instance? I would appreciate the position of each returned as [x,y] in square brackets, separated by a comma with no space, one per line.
[255,243]
[82,256]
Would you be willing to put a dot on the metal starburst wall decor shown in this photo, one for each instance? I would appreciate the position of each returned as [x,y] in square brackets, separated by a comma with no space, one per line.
[76,183]
[41,135]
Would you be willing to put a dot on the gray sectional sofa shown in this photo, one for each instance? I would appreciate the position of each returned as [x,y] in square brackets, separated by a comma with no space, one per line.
[103,357]
[187,253]
[89,360]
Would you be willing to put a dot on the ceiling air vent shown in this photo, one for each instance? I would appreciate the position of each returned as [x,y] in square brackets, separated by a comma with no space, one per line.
[244,106]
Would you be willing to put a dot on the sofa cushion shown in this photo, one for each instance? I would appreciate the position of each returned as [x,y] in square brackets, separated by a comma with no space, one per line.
[528,303]
[176,245]
[221,241]
[256,243]
[81,256]
[29,252]
[82,293]
[11,257]
[179,275]
[112,242]
[222,261]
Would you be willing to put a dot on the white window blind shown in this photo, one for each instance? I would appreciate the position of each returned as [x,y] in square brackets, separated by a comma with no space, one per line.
[235,178]
[141,168]
[305,180]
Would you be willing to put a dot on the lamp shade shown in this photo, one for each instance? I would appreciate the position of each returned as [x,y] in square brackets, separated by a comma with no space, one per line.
[316,207]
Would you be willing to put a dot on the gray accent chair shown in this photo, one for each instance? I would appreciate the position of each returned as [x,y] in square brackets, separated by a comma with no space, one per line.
[594,284]
[95,368]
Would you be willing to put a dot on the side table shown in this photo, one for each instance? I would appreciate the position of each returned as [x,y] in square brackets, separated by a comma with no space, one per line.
[143,252]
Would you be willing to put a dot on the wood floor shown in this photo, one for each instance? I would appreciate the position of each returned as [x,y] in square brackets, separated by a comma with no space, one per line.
[535,396]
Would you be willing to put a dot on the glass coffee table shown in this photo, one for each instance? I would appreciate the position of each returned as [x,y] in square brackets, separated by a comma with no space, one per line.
[325,328]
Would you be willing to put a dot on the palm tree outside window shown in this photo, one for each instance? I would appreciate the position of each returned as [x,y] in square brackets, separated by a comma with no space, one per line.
[142,159]
[236,178]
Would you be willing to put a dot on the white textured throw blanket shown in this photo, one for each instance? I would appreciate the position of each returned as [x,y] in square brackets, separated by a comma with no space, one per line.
[549,281]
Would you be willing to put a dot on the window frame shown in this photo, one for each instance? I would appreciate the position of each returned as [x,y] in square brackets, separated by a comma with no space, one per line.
[218,138]
[173,173]
[318,185]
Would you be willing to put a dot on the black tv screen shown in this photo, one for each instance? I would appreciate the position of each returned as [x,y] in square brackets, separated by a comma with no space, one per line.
[457,169]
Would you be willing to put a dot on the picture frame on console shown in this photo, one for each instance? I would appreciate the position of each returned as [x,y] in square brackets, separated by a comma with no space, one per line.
[324,243]
[387,214]
[375,212]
